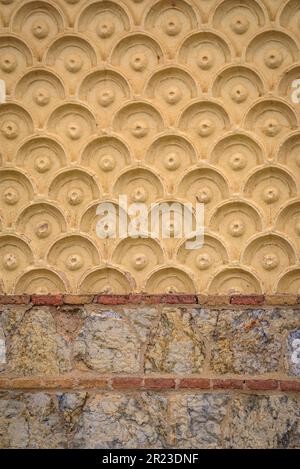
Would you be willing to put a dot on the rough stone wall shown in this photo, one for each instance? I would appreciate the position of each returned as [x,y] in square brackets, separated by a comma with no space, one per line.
[149,375]
[147,419]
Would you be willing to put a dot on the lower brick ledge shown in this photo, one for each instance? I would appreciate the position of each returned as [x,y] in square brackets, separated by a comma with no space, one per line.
[278,299]
[90,381]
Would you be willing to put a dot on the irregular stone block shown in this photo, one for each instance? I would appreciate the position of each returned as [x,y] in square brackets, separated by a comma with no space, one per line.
[292,357]
[244,342]
[115,420]
[108,343]
[34,347]
[2,349]
[284,319]
[197,419]
[71,405]
[263,422]
[31,420]
[177,345]
[205,320]
[143,320]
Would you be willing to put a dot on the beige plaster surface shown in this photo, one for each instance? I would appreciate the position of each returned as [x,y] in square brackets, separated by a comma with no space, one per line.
[164,101]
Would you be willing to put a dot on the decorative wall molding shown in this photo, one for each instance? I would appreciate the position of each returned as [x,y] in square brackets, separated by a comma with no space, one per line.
[178,101]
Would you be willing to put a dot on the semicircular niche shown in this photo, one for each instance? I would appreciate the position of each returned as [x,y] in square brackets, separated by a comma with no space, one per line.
[174,102]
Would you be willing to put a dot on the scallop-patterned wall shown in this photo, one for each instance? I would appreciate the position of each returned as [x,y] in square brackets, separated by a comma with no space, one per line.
[164,101]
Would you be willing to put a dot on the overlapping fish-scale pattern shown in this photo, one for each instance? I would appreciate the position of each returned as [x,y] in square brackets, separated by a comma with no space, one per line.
[165,101]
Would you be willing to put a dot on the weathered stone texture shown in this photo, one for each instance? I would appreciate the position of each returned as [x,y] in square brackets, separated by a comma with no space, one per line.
[33,345]
[31,421]
[292,357]
[197,420]
[115,420]
[149,376]
[176,345]
[143,320]
[263,422]
[108,343]
[244,342]
[178,340]
[148,419]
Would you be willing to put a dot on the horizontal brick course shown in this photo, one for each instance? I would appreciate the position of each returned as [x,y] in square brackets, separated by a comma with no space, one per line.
[127,382]
[41,300]
[281,299]
[90,381]
[213,300]
[159,383]
[263,385]
[227,383]
[194,383]
[146,299]
[77,299]
[14,299]
[141,298]
[111,299]
[247,299]
[59,382]
[290,386]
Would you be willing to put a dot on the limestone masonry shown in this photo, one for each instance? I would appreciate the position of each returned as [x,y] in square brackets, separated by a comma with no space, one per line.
[149,376]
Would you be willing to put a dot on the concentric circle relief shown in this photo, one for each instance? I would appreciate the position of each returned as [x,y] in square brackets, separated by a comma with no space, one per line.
[175,102]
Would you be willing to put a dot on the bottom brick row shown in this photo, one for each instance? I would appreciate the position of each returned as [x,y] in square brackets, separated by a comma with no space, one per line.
[148,419]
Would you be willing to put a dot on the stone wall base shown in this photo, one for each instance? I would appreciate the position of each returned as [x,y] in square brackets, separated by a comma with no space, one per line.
[149,373]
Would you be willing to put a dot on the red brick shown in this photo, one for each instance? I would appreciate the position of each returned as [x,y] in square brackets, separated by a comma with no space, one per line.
[262,384]
[247,299]
[179,299]
[148,299]
[14,299]
[25,383]
[127,382]
[78,299]
[227,383]
[92,382]
[152,299]
[135,298]
[159,383]
[192,383]
[47,299]
[111,299]
[290,386]
[60,382]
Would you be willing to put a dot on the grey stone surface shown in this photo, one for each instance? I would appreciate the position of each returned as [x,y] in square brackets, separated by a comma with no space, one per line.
[108,343]
[177,345]
[257,421]
[245,343]
[149,420]
[292,355]
[143,320]
[116,420]
[31,420]
[197,419]
[33,346]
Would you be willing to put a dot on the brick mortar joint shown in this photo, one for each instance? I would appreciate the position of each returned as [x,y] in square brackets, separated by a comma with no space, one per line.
[152,299]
